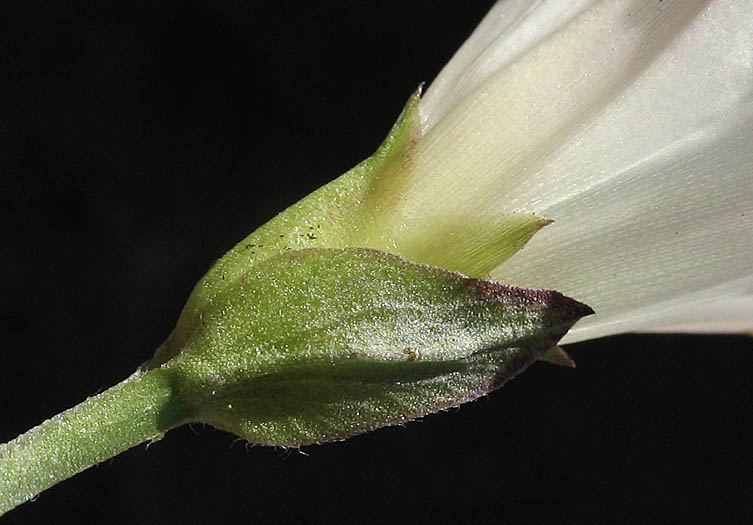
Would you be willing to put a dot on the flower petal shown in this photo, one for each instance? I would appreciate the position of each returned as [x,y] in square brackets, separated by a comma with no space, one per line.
[509,30]
[630,126]
[728,314]
[676,228]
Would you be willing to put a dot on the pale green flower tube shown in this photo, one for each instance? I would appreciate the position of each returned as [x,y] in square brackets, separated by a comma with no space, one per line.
[630,124]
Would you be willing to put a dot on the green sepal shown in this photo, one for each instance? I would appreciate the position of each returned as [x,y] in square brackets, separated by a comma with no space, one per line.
[361,209]
[336,215]
[321,344]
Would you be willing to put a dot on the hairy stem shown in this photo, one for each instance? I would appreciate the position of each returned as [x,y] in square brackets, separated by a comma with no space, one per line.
[138,409]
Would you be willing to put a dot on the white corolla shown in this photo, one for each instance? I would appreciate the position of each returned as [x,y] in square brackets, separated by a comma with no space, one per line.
[627,123]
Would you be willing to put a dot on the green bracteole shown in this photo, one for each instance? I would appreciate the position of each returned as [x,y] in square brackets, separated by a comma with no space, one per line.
[313,345]
[330,320]
[360,209]
[390,341]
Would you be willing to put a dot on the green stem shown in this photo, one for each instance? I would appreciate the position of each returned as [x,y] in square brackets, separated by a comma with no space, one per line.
[138,409]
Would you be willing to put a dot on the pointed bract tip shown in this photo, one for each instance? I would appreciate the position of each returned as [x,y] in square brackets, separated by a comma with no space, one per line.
[504,294]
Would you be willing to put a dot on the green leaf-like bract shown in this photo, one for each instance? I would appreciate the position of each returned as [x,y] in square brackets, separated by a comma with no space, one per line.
[308,330]
[320,344]
[363,208]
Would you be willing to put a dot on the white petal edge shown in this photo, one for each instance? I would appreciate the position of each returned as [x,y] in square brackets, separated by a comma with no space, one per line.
[728,315]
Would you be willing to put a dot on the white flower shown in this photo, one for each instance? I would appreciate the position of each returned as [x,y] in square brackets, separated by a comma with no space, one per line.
[630,124]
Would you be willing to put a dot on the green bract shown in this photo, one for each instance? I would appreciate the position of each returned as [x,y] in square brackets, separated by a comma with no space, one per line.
[361,209]
[321,344]
[338,317]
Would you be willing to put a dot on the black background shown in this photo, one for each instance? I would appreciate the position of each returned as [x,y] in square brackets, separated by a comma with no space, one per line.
[140,143]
